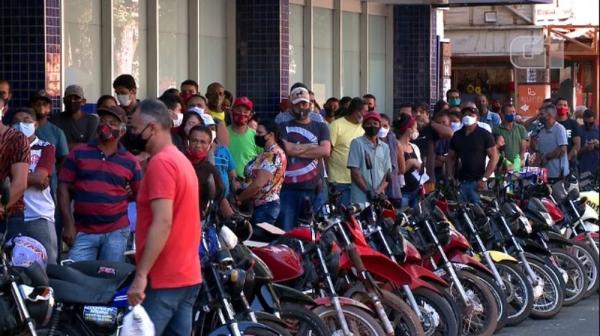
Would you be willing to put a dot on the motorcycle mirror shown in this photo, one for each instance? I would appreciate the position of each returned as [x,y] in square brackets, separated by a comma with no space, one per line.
[5,192]
[368,162]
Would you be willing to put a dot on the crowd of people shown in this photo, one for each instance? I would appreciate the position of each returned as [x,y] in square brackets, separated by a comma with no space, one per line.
[170,161]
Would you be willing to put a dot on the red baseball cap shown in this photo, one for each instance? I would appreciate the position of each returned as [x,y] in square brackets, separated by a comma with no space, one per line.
[244,101]
[372,115]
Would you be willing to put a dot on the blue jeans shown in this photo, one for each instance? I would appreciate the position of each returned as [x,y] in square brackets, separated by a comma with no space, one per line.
[410,199]
[469,193]
[344,190]
[291,206]
[266,213]
[170,309]
[43,231]
[100,246]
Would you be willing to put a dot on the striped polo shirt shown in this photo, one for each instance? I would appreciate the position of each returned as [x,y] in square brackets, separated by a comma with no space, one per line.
[99,186]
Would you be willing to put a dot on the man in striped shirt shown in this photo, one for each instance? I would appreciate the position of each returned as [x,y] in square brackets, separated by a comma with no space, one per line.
[100,177]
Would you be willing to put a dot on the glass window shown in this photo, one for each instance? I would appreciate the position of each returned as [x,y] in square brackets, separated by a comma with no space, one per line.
[323,54]
[213,42]
[129,38]
[351,56]
[172,43]
[82,46]
[296,30]
[377,84]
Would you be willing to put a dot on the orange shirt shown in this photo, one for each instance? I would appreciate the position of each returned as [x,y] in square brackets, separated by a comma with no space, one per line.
[170,175]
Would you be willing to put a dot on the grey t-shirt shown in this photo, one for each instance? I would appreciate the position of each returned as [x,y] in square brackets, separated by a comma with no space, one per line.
[78,131]
[548,140]
[380,161]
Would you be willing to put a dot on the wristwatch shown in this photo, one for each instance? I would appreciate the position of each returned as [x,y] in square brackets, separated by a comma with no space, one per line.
[484,179]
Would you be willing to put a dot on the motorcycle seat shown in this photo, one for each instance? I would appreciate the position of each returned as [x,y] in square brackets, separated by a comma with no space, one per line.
[74,276]
[69,292]
[118,272]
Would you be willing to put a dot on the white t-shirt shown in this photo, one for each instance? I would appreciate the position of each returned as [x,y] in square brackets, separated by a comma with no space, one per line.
[39,203]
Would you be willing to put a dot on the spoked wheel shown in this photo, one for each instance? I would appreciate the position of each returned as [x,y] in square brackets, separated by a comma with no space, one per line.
[551,300]
[301,321]
[360,322]
[589,261]
[499,297]
[481,315]
[438,315]
[519,293]
[577,282]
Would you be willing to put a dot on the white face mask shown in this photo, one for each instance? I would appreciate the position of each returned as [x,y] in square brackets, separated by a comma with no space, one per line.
[383,132]
[26,128]
[468,120]
[124,99]
[214,135]
[414,135]
[177,122]
[456,125]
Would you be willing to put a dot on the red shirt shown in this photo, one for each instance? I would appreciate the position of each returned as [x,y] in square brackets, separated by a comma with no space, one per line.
[170,175]
[14,148]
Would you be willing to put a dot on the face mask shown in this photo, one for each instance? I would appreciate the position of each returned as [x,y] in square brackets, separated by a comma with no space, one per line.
[26,128]
[260,140]
[563,111]
[468,120]
[73,107]
[185,97]
[589,125]
[137,142]
[454,101]
[196,157]
[414,135]
[371,109]
[300,114]
[455,125]
[542,120]
[124,100]
[106,134]
[509,117]
[241,119]
[214,135]
[501,148]
[177,122]
[383,132]
[371,131]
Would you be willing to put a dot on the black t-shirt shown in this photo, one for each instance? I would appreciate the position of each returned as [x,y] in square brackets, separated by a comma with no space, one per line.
[426,135]
[471,150]
[573,130]
[410,181]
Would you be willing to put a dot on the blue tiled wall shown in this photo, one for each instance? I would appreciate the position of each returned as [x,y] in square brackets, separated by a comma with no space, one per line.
[262,53]
[415,55]
[30,48]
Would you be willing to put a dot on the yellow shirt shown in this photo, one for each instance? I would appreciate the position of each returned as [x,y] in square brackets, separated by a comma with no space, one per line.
[217,115]
[342,133]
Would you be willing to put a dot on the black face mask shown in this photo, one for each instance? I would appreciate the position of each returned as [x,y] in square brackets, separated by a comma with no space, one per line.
[137,143]
[300,114]
[501,148]
[588,125]
[260,140]
[371,131]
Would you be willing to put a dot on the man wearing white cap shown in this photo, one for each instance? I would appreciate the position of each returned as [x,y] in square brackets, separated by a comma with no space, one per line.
[307,143]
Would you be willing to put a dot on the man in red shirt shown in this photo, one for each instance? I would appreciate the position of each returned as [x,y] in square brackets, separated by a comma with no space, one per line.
[168,225]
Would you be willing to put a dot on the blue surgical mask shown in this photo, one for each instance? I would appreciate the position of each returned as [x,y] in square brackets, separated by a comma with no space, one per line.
[509,117]
[26,128]
[455,125]
[454,102]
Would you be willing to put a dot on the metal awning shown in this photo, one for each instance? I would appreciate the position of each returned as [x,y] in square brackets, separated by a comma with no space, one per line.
[462,3]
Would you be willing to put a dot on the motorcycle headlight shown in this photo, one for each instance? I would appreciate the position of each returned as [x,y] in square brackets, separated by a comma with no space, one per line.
[228,238]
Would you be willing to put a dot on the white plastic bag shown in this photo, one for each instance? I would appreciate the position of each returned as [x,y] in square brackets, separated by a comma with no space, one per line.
[137,323]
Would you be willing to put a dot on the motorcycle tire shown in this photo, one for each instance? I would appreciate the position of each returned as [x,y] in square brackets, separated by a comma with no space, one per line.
[499,296]
[435,307]
[401,316]
[589,260]
[360,321]
[301,321]
[551,301]
[577,284]
[518,291]
[483,303]
[272,322]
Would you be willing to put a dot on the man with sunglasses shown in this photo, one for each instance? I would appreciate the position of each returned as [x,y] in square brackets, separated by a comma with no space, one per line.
[100,177]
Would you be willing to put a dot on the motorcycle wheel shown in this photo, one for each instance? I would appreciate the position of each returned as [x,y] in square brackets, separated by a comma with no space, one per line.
[360,322]
[551,301]
[483,315]
[272,322]
[577,283]
[589,260]
[519,293]
[499,296]
[301,321]
[438,315]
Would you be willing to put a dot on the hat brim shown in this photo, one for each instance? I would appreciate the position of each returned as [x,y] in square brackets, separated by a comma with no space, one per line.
[299,100]
[100,112]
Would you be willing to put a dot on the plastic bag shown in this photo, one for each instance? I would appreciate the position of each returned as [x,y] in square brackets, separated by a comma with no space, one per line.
[137,323]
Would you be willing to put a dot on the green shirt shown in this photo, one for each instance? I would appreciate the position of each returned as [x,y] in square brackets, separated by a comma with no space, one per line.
[512,138]
[242,148]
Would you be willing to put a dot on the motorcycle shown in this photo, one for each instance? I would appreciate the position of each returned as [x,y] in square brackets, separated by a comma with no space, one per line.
[26,300]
